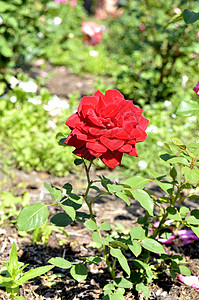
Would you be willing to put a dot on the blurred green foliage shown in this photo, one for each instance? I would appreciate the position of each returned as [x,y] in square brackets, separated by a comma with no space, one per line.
[151,61]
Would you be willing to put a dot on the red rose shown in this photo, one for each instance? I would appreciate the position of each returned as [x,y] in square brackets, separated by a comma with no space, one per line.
[106,126]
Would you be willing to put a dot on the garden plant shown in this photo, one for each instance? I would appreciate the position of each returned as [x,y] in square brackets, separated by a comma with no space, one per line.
[149,54]
[106,126]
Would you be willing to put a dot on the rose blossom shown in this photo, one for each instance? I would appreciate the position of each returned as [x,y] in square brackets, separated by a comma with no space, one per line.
[196,89]
[93,32]
[106,126]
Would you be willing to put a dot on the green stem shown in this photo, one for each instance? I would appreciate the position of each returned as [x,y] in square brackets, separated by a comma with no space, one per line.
[89,204]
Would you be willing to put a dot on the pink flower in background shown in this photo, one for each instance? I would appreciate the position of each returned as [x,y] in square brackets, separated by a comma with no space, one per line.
[192,281]
[93,32]
[187,237]
[177,10]
[142,27]
[196,89]
[197,35]
[61,1]
[73,2]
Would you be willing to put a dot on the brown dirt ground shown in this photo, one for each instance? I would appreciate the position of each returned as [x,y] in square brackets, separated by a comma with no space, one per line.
[59,284]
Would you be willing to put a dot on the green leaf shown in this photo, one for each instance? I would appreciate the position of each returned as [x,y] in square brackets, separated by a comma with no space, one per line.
[73,200]
[117,253]
[144,288]
[55,193]
[78,161]
[137,233]
[13,261]
[184,211]
[173,214]
[68,187]
[123,283]
[113,188]
[165,186]
[93,259]
[184,270]
[60,262]
[123,196]
[140,264]
[195,230]
[61,220]
[190,17]
[177,142]
[33,273]
[194,217]
[136,182]
[116,243]
[178,160]
[174,19]
[152,245]
[144,199]
[105,226]
[135,247]
[188,108]
[79,272]
[32,217]
[191,175]
[91,225]
[97,238]
[69,210]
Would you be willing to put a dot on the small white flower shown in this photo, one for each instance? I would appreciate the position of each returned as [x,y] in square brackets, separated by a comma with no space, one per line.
[170,130]
[28,86]
[13,99]
[34,101]
[40,35]
[167,103]
[192,119]
[174,116]
[142,164]
[160,144]
[1,20]
[57,21]
[13,82]
[51,124]
[184,80]
[55,112]
[152,129]
[94,53]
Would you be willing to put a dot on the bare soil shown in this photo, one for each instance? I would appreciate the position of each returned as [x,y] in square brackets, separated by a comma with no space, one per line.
[59,284]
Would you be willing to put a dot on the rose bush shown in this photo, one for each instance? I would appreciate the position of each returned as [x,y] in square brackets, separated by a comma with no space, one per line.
[106,126]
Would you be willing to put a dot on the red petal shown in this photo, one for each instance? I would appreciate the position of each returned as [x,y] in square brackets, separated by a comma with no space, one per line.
[142,136]
[133,152]
[82,136]
[111,96]
[112,144]
[96,131]
[143,123]
[111,159]
[96,146]
[119,133]
[126,148]
[73,121]
[72,140]
[87,103]
[94,119]
[83,152]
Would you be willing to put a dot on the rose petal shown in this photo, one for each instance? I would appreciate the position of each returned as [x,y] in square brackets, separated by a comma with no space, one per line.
[112,159]
[112,144]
